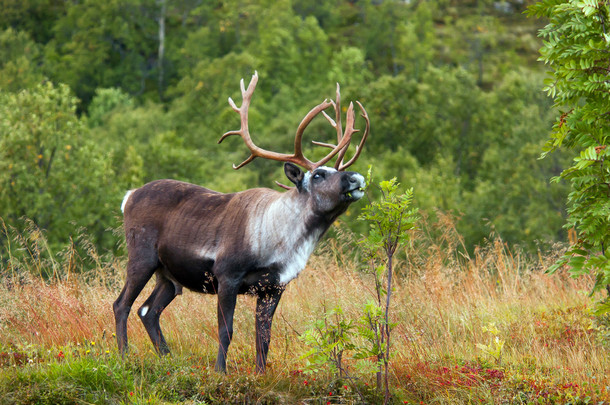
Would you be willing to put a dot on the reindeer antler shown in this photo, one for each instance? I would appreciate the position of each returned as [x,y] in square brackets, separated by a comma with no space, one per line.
[343,139]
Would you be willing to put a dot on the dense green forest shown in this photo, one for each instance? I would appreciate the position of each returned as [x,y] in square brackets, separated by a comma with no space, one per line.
[97,97]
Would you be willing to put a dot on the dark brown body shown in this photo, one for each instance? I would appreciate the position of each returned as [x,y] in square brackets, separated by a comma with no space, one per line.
[254,241]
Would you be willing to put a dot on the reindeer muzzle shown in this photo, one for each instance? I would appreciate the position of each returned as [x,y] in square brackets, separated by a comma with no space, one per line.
[353,183]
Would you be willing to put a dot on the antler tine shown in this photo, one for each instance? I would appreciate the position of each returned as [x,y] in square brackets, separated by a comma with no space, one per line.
[244,132]
[339,128]
[246,96]
[333,124]
[245,162]
[337,106]
[298,145]
[367,128]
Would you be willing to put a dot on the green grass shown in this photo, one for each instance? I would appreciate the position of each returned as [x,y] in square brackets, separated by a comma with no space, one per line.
[57,344]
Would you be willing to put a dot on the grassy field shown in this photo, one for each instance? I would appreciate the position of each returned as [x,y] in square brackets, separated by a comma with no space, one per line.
[490,328]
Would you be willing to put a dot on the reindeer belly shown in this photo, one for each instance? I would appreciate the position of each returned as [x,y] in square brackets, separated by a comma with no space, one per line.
[259,279]
[202,281]
[194,273]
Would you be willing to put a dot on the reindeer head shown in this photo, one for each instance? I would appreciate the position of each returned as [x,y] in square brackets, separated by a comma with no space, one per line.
[330,189]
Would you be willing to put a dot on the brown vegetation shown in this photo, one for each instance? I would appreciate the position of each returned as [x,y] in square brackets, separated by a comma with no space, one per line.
[452,312]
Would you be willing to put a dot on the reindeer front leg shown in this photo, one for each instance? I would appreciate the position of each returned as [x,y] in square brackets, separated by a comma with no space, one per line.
[266,305]
[227,298]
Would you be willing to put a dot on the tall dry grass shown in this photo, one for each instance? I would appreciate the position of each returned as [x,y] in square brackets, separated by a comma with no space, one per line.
[444,305]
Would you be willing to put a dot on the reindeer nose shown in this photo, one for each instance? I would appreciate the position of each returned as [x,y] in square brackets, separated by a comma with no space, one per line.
[353,181]
[356,180]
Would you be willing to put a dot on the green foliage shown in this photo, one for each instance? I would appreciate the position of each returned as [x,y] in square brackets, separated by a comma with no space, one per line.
[50,171]
[390,219]
[575,48]
[37,17]
[104,44]
[451,89]
[369,327]
[104,102]
[496,344]
[329,338]
[19,60]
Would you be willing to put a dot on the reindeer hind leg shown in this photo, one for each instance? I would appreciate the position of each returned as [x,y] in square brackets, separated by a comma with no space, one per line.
[140,269]
[163,294]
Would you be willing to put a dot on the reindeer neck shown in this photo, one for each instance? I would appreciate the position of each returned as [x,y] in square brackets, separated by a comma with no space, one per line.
[285,232]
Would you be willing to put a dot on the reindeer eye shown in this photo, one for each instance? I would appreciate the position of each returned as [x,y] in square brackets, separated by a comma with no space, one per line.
[318,176]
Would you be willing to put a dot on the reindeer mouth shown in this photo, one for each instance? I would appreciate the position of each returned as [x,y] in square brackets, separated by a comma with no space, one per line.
[354,194]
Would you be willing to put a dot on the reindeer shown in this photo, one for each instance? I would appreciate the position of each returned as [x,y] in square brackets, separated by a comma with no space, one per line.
[250,242]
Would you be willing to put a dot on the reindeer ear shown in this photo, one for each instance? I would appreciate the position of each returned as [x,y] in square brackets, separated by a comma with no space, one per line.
[294,174]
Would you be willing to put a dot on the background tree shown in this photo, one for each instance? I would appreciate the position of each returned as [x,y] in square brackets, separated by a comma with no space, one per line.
[452,87]
[50,172]
[19,61]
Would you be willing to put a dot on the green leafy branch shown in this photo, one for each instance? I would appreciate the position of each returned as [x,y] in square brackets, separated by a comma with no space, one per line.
[575,46]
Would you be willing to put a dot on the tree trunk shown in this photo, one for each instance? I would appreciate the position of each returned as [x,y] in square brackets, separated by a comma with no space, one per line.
[161,53]
[386,359]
